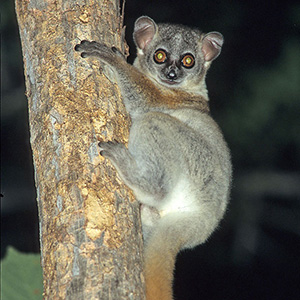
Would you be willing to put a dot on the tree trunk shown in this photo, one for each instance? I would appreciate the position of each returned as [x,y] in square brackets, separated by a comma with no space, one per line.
[90,236]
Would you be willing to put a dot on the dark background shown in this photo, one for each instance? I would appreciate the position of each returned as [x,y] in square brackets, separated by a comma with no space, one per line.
[254,89]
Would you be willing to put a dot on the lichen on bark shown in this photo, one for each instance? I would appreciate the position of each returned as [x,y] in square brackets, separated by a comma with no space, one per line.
[90,235]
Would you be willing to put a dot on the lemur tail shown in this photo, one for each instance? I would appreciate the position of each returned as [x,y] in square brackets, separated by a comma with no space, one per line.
[174,232]
[160,256]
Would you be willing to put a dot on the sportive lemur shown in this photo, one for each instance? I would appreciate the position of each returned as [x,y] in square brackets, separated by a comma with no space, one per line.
[177,162]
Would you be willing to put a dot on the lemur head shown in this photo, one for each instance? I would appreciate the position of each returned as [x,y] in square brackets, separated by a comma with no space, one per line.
[174,55]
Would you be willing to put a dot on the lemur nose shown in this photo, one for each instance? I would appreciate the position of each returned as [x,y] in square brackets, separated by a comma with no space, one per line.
[172,75]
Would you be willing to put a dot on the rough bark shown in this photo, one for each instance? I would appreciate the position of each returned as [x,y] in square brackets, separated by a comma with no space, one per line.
[90,236]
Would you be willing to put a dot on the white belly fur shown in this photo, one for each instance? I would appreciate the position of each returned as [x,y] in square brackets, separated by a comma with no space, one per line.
[180,199]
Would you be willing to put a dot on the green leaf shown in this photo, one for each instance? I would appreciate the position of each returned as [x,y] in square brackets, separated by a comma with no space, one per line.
[21,276]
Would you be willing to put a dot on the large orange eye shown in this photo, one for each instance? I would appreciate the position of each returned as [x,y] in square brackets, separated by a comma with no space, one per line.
[188,60]
[160,56]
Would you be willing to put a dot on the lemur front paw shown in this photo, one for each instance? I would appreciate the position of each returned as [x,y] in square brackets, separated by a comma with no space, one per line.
[102,51]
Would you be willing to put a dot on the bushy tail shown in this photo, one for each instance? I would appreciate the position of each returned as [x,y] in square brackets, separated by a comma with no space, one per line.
[173,233]
[160,259]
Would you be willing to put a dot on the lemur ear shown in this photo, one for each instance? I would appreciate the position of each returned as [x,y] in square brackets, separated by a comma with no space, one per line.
[211,45]
[144,31]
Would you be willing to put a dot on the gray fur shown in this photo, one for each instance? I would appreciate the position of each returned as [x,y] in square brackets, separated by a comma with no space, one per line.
[177,162]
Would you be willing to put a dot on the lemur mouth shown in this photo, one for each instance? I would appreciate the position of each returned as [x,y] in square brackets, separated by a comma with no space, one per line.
[170,82]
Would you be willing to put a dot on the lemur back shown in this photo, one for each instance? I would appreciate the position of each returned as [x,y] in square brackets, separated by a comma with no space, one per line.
[177,162]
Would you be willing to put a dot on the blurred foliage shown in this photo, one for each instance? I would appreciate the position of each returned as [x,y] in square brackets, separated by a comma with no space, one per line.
[21,276]
[263,123]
